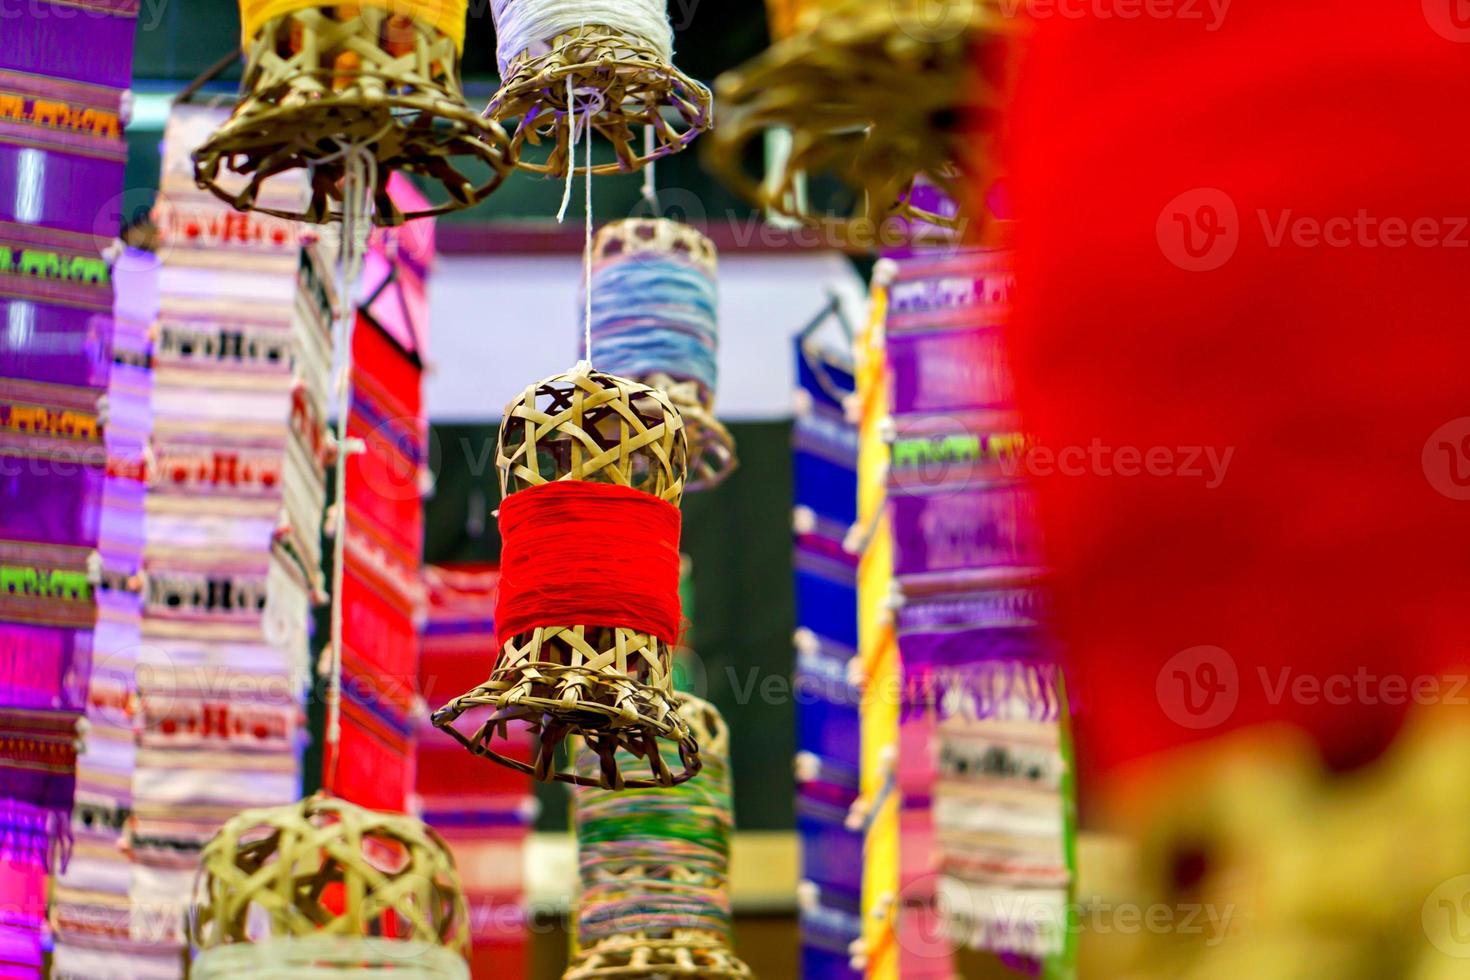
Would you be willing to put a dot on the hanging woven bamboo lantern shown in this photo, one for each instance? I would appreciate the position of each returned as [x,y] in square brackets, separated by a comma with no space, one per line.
[320,77]
[619,77]
[654,867]
[323,887]
[592,468]
[874,95]
[654,319]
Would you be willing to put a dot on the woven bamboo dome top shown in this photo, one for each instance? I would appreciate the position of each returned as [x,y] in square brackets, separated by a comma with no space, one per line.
[585,425]
[655,236]
[874,94]
[325,867]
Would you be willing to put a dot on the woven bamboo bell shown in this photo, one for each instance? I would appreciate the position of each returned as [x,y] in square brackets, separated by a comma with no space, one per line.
[711,447]
[384,73]
[872,95]
[620,82]
[654,870]
[323,887]
[606,683]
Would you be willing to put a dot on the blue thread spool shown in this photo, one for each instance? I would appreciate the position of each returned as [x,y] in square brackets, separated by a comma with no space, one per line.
[655,320]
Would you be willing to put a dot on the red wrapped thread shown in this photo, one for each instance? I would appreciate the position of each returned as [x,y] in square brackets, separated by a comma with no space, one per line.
[591,554]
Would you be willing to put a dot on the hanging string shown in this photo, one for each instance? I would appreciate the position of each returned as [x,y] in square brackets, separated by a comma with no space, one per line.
[587,267]
[358,184]
[654,860]
[650,188]
[527,26]
[579,129]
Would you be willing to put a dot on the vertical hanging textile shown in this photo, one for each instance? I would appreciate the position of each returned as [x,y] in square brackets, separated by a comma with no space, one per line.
[64,71]
[655,320]
[824,465]
[592,469]
[610,63]
[323,887]
[485,813]
[233,555]
[984,772]
[874,95]
[876,670]
[381,74]
[90,912]
[382,587]
[654,867]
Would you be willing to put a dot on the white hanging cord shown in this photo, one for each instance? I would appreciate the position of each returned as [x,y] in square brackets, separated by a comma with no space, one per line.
[358,184]
[650,187]
[587,264]
[573,131]
[581,129]
[529,25]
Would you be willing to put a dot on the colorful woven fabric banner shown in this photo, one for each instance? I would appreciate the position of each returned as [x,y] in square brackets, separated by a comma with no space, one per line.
[983,771]
[233,529]
[828,740]
[485,813]
[70,469]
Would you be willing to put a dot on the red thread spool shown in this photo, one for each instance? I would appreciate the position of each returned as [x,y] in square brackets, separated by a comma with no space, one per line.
[547,580]
[592,467]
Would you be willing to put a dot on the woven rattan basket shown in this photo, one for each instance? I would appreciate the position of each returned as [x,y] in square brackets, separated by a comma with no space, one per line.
[635,88]
[321,77]
[711,447]
[874,95]
[607,684]
[304,884]
[680,952]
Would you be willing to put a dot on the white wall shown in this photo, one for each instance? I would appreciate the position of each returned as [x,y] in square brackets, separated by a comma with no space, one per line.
[499,323]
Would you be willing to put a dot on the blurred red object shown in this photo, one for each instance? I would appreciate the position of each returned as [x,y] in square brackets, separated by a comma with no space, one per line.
[1245,231]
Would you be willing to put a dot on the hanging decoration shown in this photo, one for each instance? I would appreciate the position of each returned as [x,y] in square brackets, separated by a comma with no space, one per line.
[89,899]
[654,319]
[609,62]
[824,444]
[654,868]
[592,469]
[232,551]
[382,590]
[68,556]
[381,75]
[873,96]
[323,887]
[485,813]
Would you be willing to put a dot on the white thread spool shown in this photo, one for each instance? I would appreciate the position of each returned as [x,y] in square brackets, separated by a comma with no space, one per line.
[527,27]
